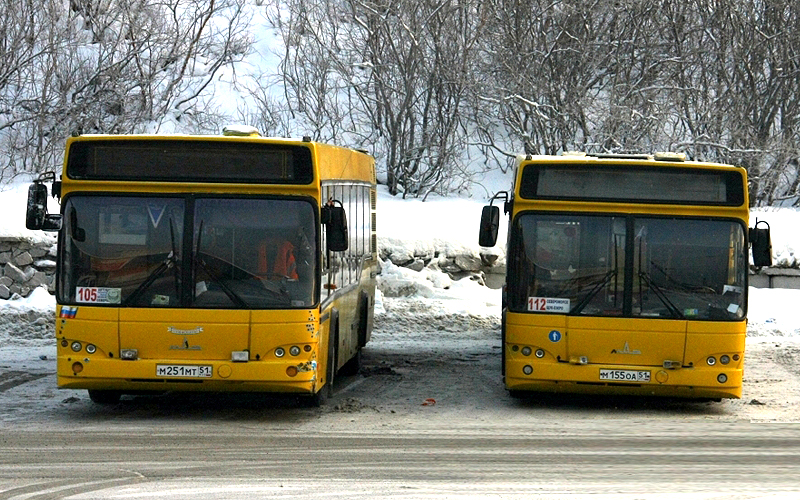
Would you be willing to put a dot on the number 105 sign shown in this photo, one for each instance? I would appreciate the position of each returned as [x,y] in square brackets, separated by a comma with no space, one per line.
[548,304]
[98,295]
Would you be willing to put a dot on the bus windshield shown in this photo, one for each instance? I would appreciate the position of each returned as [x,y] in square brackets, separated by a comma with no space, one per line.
[631,266]
[203,252]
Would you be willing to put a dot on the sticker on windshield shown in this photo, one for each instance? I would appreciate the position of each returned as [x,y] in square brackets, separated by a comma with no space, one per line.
[548,304]
[156,212]
[98,295]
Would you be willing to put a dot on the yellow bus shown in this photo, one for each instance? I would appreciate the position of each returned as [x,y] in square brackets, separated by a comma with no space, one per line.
[210,263]
[626,274]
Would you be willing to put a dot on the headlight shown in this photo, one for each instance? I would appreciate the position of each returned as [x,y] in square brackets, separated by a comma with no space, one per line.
[711,361]
[294,350]
[540,353]
[76,346]
[279,352]
[724,359]
[91,348]
[526,351]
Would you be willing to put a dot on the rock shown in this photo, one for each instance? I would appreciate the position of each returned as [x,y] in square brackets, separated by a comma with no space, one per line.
[468,263]
[5,293]
[23,259]
[14,273]
[489,259]
[417,265]
[401,258]
[38,279]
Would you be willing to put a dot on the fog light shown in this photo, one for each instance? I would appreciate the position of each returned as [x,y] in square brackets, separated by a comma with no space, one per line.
[722,378]
[91,348]
[711,361]
[724,359]
[294,350]
[540,353]
[279,352]
[526,351]
[527,369]
[291,371]
[240,356]
[76,346]
[77,368]
[129,354]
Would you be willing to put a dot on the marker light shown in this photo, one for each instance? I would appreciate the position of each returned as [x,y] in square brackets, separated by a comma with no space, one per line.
[77,367]
[76,346]
[291,371]
[240,356]
[526,351]
[711,361]
[129,354]
[91,348]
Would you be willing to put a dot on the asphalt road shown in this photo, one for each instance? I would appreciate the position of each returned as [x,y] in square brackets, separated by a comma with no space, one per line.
[419,422]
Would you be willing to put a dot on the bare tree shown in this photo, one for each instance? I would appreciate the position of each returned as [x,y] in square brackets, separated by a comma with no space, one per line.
[107,66]
[392,73]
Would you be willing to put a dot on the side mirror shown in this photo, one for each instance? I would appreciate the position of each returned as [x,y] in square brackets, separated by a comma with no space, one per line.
[761,245]
[37,206]
[335,221]
[490,222]
[36,216]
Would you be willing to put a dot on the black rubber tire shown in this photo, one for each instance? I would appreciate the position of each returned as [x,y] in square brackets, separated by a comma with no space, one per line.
[104,397]
[353,366]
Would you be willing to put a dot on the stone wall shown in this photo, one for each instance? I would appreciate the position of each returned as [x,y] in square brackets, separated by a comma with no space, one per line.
[486,267]
[26,264]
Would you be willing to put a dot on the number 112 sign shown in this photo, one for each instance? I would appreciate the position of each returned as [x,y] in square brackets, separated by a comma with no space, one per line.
[548,304]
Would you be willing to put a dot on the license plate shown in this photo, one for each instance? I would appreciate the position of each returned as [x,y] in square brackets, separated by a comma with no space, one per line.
[187,371]
[625,375]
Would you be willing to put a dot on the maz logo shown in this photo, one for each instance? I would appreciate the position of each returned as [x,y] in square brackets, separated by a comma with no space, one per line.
[626,350]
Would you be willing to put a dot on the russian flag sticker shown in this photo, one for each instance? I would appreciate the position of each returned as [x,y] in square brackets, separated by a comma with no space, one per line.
[68,311]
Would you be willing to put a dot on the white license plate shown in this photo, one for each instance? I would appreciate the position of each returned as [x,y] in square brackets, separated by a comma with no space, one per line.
[625,375]
[188,371]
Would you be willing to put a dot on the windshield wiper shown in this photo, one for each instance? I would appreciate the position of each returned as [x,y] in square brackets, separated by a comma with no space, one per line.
[235,298]
[659,292]
[594,291]
[169,263]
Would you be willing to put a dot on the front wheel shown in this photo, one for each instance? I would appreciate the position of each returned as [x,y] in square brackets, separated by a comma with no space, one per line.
[104,397]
